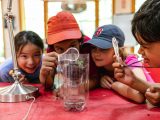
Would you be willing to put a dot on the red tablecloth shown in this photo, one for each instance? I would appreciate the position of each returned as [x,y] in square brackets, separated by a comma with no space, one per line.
[102,105]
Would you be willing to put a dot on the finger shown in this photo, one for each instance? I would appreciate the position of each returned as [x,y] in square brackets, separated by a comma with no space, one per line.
[107,84]
[49,59]
[150,101]
[114,58]
[49,64]
[155,95]
[153,101]
[151,89]
[121,62]
[118,75]
[48,69]
[104,85]
[11,72]
[154,89]
[52,54]
[116,65]
[107,78]
[118,70]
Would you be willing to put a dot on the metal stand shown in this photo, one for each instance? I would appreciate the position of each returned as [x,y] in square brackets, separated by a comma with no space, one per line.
[17,91]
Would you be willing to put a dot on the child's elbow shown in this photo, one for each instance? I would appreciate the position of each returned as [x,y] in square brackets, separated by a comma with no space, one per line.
[140,98]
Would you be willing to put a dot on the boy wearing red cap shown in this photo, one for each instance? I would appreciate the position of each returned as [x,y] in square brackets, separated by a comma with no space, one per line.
[63,33]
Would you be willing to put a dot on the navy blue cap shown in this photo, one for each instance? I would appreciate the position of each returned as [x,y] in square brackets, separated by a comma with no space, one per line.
[102,37]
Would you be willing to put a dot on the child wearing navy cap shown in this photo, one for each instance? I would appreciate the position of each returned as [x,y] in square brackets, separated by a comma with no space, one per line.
[102,54]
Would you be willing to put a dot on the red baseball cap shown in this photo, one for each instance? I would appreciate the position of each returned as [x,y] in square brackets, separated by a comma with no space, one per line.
[62,27]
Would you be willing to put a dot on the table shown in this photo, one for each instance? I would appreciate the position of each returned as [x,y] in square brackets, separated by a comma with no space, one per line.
[102,105]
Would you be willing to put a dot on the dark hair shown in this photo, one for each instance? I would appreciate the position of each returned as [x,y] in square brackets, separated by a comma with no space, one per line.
[146,21]
[25,37]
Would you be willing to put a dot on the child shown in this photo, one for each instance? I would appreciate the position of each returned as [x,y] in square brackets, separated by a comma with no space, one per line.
[29,48]
[102,54]
[146,30]
[63,33]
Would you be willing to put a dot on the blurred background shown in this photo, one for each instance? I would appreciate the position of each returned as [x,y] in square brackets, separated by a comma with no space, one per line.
[34,14]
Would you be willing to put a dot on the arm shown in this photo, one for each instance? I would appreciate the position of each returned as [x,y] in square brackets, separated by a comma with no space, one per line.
[137,80]
[128,92]
[127,76]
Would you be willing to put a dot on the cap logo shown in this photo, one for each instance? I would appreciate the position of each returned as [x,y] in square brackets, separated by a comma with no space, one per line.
[98,32]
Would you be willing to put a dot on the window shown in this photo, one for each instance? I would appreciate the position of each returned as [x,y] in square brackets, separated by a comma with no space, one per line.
[34,16]
[85,19]
[105,12]
[1,37]
[138,4]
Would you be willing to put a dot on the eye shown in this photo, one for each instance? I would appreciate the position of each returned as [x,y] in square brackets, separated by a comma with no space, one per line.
[73,46]
[59,50]
[37,55]
[93,48]
[103,50]
[23,56]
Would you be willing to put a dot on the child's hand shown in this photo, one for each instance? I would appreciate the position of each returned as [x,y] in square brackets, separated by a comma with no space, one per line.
[21,79]
[49,62]
[47,72]
[106,82]
[153,94]
[123,74]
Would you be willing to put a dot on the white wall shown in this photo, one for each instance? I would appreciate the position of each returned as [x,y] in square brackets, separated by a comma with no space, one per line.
[124,22]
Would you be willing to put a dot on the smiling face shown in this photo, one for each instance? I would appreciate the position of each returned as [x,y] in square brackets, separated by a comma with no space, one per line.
[150,52]
[103,57]
[29,57]
[61,47]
